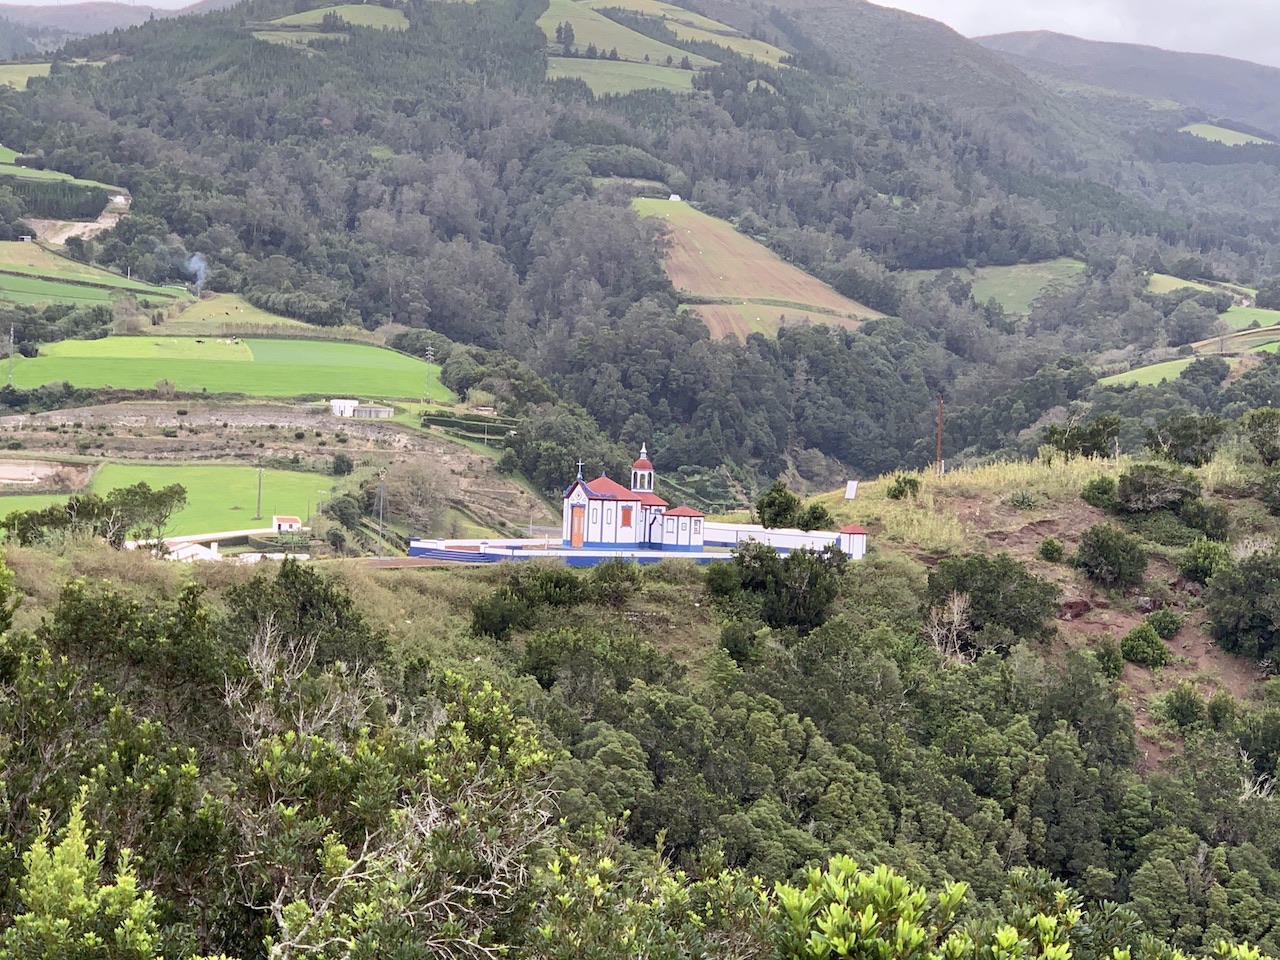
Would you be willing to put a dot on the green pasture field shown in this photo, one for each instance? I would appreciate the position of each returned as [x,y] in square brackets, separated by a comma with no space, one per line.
[1014,287]
[1232,138]
[219,497]
[17,74]
[356,14]
[692,26]
[30,274]
[230,310]
[709,258]
[619,76]
[592,27]
[1156,372]
[256,367]
[1241,318]
[1164,283]
[9,169]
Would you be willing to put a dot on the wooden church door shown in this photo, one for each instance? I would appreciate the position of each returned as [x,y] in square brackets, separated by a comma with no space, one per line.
[578,515]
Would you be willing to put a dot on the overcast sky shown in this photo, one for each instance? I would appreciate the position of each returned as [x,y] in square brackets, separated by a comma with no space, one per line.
[1247,29]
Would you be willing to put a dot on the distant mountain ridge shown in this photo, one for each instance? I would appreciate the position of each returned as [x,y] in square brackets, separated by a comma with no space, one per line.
[1220,86]
[98,16]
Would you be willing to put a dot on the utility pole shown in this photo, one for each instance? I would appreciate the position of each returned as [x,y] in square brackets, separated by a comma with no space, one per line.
[11,352]
[258,515]
[937,462]
[382,499]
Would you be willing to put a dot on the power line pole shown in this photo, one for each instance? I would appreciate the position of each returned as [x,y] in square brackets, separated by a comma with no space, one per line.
[937,460]
[258,515]
[382,499]
[11,352]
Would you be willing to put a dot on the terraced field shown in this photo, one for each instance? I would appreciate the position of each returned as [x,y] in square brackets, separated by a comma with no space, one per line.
[692,26]
[1149,375]
[30,274]
[257,367]
[708,258]
[742,319]
[590,27]
[1241,318]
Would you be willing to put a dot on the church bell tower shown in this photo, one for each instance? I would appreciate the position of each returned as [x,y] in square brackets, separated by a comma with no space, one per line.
[642,473]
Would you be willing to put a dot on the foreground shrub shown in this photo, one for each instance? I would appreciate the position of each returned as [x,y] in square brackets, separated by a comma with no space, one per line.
[1110,557]
[1202,560]
[1100,493]
[1143,646]
[1051,550]
[1166,623]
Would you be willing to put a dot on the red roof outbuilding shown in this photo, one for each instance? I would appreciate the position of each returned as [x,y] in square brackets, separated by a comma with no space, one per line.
[684,511]
[855,529]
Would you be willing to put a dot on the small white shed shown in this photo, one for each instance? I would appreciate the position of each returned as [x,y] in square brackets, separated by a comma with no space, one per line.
[343,408]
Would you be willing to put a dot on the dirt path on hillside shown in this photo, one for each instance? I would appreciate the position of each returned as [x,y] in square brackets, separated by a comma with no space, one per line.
[60,231]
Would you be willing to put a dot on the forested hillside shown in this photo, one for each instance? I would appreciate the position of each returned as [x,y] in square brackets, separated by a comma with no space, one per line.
[431,179]
[525,761]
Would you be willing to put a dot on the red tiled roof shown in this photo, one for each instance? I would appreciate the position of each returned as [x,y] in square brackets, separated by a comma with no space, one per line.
[279,519]
[650,499]
[683,511]
[642,464]
[854,528]
[603,488]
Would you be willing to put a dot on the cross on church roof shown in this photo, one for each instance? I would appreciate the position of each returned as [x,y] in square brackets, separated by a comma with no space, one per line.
[580,466]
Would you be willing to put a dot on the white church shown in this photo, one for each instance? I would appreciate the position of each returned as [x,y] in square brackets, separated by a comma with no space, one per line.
[602,519]
[602,513]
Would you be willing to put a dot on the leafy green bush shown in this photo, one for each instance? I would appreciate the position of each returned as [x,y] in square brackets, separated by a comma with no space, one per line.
[1143,646]
[1110,557]
[1202,560]
[497,614]
[1211,519]
[1166,623]
[1100,493]
[1162,527]
[1110,659]
[1022,500]
[1183,706]
[1002,593]
[904,485]
[1149,486]
[1051,550]
[615,581]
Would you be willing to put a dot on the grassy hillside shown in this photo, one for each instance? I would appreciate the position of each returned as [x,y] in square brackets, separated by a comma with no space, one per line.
[1013,287]
[266,368]
[896,51]
[1164,283]
[692,26]
[32,275]
[1232,138]
[219,497]
[590,27]
[9,169]
[709,258]
[615,77]
[357,14]
[17,74]
[229,313]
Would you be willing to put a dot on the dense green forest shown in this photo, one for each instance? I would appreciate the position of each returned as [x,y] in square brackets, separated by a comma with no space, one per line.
[432,179]
[265,765]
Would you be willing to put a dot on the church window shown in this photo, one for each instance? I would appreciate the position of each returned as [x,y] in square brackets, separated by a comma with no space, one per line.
[595,514]
[697,526]
[626,516]
[608,516]
[671,525]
